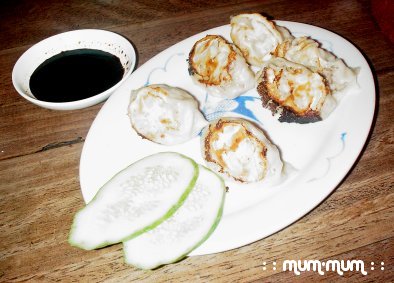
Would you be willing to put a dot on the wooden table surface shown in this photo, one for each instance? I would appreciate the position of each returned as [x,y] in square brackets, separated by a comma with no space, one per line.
[40,151]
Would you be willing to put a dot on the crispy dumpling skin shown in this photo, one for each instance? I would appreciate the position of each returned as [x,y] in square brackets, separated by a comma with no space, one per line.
[218,66]
[164,114]
[239,151]
[306,51]
[294,92]
[256,37]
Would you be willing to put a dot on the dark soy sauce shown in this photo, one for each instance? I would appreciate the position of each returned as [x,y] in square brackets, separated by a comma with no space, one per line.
[75,74]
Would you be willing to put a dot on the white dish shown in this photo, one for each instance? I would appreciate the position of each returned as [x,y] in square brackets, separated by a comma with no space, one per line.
[323,152]
[86,38]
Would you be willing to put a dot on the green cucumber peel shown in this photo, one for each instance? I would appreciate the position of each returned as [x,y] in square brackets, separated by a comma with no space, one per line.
[145,252]
[148,226]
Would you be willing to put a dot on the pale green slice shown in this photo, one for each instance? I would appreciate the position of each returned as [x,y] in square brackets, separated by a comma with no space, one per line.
[135,200]
[189,227]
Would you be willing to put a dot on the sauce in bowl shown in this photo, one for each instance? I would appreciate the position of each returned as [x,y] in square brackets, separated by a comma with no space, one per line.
[75,74]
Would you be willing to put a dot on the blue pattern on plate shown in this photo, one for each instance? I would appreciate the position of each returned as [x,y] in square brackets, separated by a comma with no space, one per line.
[236,105]
[148,82]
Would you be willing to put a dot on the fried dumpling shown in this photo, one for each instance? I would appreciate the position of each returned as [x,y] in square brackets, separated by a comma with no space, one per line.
[306,51]
[219,66]
[165,115]
[256,37]
[239,151]
[294,92]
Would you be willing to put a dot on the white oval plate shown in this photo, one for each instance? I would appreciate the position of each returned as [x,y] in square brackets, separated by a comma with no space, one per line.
[323,152]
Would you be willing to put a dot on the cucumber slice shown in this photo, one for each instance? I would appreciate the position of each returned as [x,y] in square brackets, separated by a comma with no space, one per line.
[135,200]
[189,227]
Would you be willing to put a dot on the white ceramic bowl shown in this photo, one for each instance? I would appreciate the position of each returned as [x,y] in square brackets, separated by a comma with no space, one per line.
[86,38]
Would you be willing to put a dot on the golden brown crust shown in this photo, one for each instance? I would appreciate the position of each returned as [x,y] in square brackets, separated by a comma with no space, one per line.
[204,76]
[287,114]
[216,128]
[281,49]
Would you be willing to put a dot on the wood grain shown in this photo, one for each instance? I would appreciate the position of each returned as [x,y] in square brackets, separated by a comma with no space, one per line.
[170,30]
[40,151]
